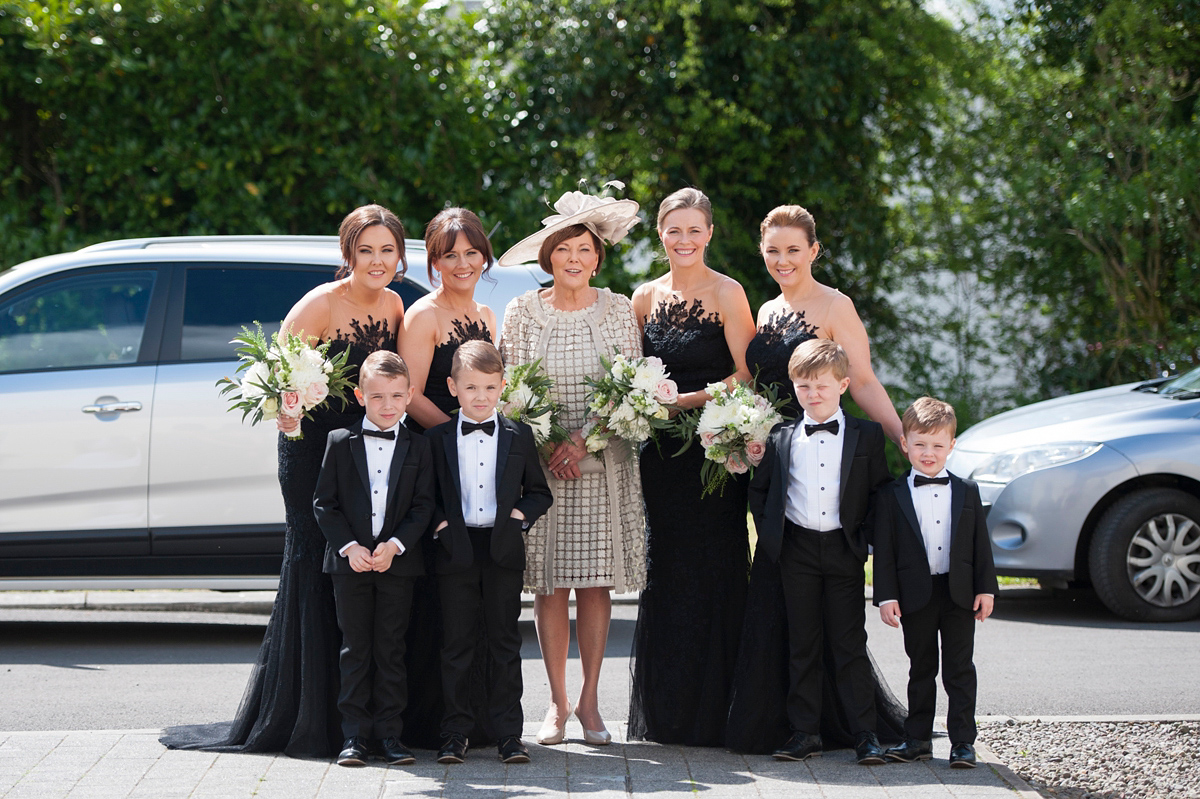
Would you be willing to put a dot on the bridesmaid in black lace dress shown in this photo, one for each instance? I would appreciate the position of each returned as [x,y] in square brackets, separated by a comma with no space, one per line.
[458,254]
[690,613]
[804,309]
[290,703]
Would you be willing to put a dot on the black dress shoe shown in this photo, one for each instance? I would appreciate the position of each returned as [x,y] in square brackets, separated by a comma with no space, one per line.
[909,751]
[454,748]
[867,750]
[354,752]
[395,753]
[512,750]
[800,746]
[963,756]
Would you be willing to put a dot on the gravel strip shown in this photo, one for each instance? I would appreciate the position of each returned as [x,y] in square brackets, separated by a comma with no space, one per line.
[1101,760]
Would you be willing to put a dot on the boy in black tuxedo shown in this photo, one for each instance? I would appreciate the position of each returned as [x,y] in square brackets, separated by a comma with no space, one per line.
[810,496]
[490,489]
[374,500]
[934,574]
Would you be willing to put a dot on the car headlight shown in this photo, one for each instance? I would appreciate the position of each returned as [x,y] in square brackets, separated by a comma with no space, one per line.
[1004,467]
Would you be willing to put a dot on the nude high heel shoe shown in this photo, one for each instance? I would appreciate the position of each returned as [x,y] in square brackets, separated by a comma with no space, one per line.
[549,735]
[600,737]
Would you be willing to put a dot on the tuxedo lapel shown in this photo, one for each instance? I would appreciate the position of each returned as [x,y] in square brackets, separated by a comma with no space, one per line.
[398,456]
[958,498]
[504,438]
[905,501]
[849,445]
[783,453]
[358,454]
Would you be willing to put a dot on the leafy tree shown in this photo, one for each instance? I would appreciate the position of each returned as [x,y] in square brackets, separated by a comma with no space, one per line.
[757,103]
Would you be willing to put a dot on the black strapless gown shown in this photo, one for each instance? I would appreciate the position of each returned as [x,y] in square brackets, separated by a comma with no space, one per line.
[758,721]
[290,703]
[698,556]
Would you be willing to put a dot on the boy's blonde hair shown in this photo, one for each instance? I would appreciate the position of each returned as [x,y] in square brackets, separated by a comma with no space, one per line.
[384,363]
[482,356]
[817,355]
[929,415]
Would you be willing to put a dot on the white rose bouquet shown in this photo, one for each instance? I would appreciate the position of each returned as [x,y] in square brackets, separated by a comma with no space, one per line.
[283,374]
[630,400]
[526,398]
[733,428]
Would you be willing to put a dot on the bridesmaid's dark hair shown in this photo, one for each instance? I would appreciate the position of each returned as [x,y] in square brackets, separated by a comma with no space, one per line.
[442,232]
[352,229]
[559,236]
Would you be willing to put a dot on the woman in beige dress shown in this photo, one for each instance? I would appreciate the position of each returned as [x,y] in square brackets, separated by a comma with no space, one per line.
[592,540]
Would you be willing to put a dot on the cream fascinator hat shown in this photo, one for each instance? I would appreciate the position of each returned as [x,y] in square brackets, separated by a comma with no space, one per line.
[607,217]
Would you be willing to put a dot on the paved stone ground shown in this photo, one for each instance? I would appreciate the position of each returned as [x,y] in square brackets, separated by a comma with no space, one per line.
[133,765]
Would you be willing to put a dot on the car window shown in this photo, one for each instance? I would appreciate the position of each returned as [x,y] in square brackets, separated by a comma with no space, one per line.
[219,302]
[82,320]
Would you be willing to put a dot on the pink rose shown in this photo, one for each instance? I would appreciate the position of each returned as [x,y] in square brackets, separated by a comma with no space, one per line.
[708,439]
[755,451]
[666,392]
[289,404]
[315,394]
[736,464]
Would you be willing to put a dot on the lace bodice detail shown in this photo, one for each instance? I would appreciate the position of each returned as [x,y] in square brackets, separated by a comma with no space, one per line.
[436,389]
[690,342]
[768,353]
[361,341]
[374,335]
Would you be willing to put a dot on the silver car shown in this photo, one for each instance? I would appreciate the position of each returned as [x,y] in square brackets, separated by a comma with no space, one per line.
[1100,487]
[118,459]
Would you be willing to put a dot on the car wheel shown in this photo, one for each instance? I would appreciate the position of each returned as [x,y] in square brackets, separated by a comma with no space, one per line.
[1145,556]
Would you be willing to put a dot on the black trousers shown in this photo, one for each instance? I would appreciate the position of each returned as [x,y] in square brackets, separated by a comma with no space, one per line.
[823,584]
[956,626]
[373,610]
[494,592]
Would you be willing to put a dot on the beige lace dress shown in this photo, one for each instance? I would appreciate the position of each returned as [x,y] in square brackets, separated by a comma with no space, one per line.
[594,533]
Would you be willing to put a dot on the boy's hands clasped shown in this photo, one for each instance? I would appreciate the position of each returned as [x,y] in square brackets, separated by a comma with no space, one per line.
[889,612]
[364,560]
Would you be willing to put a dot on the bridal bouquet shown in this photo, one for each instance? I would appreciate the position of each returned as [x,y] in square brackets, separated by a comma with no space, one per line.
[526,398]
[630,400]
[283,375]
[733,428]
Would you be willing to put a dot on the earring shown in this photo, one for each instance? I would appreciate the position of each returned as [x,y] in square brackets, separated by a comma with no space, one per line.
[595,271]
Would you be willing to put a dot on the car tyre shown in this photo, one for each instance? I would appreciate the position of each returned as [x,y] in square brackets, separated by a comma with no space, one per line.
[1145,556]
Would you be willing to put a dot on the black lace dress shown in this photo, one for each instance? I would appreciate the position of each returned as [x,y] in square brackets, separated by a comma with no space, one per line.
[290,703]
[758,721]
[698,557]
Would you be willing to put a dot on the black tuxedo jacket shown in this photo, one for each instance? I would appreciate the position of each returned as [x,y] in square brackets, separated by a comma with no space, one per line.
[342,502]
[901,564]
[520,484]
[864,469]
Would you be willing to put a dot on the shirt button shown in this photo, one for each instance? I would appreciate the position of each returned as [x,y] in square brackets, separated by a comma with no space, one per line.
[935,496]
[939,521]
[481,510]
[939,549]
[379,471]
[822,464]
[372,513]
[822,488]
[376,492]
[481,486]
[822,513]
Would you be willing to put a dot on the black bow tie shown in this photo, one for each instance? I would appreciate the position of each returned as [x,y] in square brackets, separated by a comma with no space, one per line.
[487,427]
[390,435]
[921,480]
[828,427]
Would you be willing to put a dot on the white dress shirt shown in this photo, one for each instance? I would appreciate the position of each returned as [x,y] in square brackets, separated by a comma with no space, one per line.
[932,503]
[477,473]
[379,465]
[815,475]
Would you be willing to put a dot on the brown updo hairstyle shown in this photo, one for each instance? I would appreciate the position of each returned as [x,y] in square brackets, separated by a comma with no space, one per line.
[790,216]
[359,220]
[558,237]
[685,198]
[441,234]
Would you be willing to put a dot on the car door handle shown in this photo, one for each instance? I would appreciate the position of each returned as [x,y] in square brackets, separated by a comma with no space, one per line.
[112,407]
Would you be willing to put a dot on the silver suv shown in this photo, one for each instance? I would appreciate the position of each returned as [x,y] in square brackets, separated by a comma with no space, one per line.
[119,464]
[1100,487]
